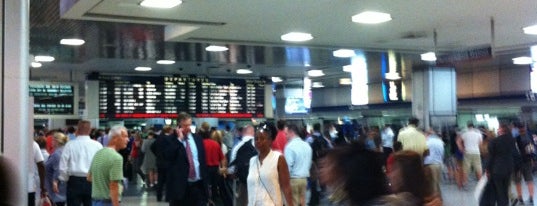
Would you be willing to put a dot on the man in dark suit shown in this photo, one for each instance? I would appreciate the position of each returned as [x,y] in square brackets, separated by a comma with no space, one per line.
[502,151]
[186,175]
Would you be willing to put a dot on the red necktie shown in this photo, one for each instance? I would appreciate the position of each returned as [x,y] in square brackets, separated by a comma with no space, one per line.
[191,169]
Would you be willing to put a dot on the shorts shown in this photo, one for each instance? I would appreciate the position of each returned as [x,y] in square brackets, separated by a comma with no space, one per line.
[524,171]
[472,161]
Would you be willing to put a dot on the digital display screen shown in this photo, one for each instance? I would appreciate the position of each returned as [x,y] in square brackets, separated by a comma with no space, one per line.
[53,98]
[166,96]
[295,106]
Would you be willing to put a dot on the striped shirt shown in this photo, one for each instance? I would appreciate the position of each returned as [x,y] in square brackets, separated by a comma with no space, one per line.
[107,166]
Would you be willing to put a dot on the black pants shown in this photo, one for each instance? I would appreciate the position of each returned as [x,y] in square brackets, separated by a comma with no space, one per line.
[496,191]
[162,176]
[31,199]
[78,191]
[194,196]
[211,181]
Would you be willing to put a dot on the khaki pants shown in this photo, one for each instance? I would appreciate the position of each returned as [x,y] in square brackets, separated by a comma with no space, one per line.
[436,174]
[298,188]
[472,161]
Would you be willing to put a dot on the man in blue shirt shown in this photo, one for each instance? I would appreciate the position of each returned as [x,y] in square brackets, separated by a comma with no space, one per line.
[298,154]
[435,159]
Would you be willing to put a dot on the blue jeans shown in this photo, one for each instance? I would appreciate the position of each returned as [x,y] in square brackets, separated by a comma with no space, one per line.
[101,203]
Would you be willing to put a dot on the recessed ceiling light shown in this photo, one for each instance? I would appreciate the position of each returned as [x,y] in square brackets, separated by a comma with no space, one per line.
[429,56]
[344,53]
[165,62]
[214,48]
[371,17]
[315,73]
[72,42]
[142,69]
[297,36]
[530,30]
[276,79]
[244,71]
[161,4]
[36,64]
[348,68]
[345,81]
[317,85]
[522,60]
[44,58]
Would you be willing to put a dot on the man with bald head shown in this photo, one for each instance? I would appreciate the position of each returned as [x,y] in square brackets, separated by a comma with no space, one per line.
[75,163]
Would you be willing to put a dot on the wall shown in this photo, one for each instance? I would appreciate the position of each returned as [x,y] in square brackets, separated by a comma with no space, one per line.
[493,81]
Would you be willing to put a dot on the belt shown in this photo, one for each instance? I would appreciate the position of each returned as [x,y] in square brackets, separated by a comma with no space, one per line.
[103,200]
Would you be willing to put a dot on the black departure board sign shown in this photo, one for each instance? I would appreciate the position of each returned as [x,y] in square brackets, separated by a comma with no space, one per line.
[166,96]
[53,98]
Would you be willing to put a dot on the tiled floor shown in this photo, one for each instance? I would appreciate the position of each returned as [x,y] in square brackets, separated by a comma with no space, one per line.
[452,196]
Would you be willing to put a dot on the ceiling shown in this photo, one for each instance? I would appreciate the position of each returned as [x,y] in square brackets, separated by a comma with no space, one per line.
[257,25]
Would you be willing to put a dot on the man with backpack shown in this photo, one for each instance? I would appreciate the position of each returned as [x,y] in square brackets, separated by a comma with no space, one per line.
[240,162]
[526,147]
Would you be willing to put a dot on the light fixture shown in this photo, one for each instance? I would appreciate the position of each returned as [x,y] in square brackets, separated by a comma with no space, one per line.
[72,42]
[161,4]
[530,30]
[142,69]
[44,58]
[166,62]
[429,56]
[276,79]
[36,64]
[244,71]
[315,73]
[348,68]
[345,81]
[297,36]
[214,48]
[392,76]
[343,53]
[522,60]
[317,85]
[371,17]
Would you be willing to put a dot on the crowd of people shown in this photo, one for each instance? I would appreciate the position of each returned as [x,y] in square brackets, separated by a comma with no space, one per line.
[277,163]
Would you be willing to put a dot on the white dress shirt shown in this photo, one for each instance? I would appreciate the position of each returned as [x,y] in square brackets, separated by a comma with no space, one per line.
[194,151]
[77,156]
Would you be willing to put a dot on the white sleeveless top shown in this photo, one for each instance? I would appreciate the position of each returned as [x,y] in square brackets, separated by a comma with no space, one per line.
[263,181]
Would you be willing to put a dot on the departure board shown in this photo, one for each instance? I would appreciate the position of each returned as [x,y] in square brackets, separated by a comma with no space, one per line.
[53,98]
[164,97]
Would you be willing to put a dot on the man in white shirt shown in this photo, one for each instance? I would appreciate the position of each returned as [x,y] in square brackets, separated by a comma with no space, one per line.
[412,138]
[248,133]
[75,163]
[387,140]
[36,162]
[468,143]
[297,154]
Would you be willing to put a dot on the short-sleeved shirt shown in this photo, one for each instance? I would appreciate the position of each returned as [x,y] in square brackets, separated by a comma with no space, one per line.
[412,139]
[35,157]
[107,166]
[472,138]
[213,152]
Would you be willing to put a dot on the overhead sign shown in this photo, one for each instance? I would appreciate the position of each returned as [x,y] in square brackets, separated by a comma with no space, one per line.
[53,98]
[466,55]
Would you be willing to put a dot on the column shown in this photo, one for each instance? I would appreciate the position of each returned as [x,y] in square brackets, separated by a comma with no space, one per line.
[434,98]
[15,123]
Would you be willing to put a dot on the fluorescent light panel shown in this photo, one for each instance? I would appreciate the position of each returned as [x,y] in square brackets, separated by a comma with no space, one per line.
[297,37]
[214,48]
[343,53]
[345,81]
[72,42]
[161,4]
[348,68]
[532,30]
[44,58]
[315,73]
[276,79]
[36,64]
[142,69]
[371,17]
[429,56]
[166,62]
[244,71]
[317,85]
[522,60]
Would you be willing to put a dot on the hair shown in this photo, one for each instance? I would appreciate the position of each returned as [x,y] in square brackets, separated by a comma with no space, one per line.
[183,116]
[281,124]
[470,124]
[115,131]
[167,130]
[71,129]
[152,134]
[205,134]
[42,142]
[316,127]
[294,129]
[269,129]
[397,146]
[414,121]
[60,138]
[412,173]
[358,172]
[84,127]
[217,136]
[205,126]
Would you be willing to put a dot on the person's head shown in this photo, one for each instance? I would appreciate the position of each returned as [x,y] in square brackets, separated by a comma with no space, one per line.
[316,127]
[521,128]
[292,131]
[248,130]
[397,146]
[354,172]
[205,134]
[264,135]
[503,129]
[205,126]
[84,128]
[118,137]
[408,174]
[167,130]
[217,136]
[71,129]
[414,121]
[281,124]
[184,122]
[42,142]
[60,139]
[470,125]
[151,135]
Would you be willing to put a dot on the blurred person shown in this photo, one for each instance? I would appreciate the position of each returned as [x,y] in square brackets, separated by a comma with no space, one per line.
[224,189]
[412,138]
[187,174]
[468,143]
[163,164]
[227,138]
[218,137]
[71,133]
[397,147]
[319,147]
[75,162]
[106,171]
[57,189]
[281,140]
[387,136]
[239,163]
[500,167]
[136,158]
[526,146]
[434,161]
[149,164]
[35,164]
[268,176]
[103,137]
[8,187]
[49,136]
[374,141]
[216,162]
[298,155]
[42,142]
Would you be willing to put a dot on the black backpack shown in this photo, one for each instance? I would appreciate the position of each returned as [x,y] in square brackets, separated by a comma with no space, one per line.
[242,160]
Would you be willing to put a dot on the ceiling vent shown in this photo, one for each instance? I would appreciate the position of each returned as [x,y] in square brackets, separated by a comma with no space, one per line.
[414,35]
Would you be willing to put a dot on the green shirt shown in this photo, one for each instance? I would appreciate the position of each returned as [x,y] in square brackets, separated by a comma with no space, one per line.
[107,166]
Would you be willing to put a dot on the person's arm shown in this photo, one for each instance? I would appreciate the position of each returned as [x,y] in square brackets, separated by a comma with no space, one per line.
[55,172]
[41,171]
[460,144]
[114,192]
[284,179]
[63,176]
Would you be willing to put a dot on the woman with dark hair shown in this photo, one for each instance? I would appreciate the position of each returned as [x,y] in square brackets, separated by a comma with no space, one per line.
[268,174]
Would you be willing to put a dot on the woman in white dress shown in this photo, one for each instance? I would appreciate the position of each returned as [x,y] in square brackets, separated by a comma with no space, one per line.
[268,174]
